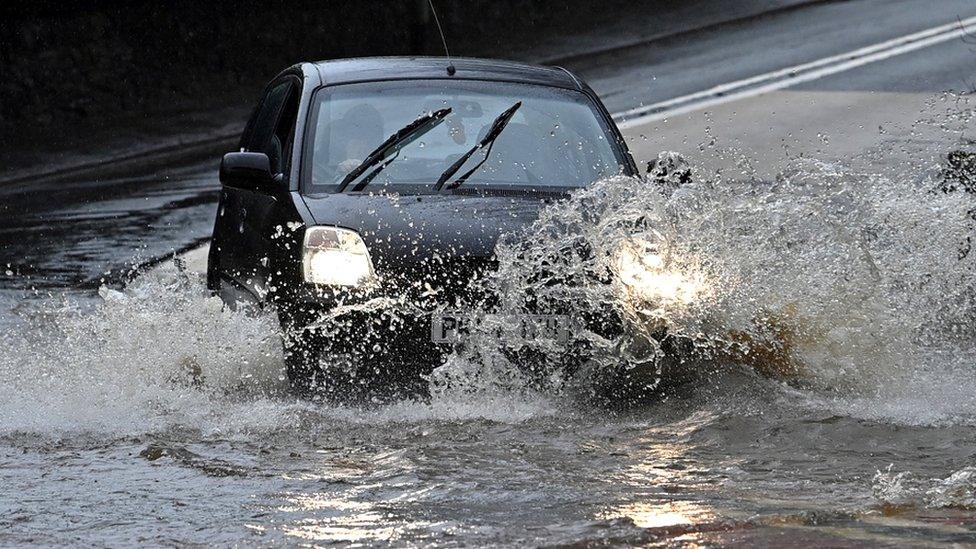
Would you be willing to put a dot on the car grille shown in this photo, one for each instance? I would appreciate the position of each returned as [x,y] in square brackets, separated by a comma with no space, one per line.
[454,281]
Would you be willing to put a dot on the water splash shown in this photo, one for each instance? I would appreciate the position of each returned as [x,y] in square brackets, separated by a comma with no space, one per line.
[844,281]
[851,284]
[902,489]
[161,354]
[855,286]
[165,355]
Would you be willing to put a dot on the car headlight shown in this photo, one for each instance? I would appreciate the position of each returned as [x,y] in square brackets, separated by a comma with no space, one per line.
[335,257]
[645,272]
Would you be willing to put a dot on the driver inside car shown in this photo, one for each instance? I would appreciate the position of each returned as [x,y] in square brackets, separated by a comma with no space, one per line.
[348,141]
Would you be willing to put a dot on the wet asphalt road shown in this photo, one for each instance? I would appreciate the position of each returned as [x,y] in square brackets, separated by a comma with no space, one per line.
[695,61]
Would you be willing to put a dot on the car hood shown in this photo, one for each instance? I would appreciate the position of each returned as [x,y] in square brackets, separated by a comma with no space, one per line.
[401,230]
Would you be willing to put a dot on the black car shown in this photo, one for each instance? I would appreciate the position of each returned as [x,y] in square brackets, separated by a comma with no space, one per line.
[366,186]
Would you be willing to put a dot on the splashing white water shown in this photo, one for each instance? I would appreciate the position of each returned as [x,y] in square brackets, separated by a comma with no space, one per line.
[165,354]
[903,489]
[848,282]
[152,357]
[854,282]
[857,287]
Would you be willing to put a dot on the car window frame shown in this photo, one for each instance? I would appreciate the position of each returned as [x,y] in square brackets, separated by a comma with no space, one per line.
[292,107]
[614,137]
[292,94]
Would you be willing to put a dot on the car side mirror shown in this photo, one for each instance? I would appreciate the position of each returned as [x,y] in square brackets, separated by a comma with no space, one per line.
[247,170]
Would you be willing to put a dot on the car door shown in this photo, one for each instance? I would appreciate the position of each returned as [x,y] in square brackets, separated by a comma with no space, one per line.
[243,236]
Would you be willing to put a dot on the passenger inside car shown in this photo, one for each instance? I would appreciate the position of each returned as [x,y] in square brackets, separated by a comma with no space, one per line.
[349,139]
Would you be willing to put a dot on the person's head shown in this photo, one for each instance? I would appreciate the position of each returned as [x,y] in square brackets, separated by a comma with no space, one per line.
[361,129]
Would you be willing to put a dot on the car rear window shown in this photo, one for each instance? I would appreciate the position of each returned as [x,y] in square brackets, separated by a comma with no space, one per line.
[555,139]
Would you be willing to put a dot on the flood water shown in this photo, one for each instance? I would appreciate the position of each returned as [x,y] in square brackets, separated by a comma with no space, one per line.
[149,414]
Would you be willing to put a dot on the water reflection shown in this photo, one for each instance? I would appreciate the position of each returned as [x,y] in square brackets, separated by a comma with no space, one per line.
[361,528]
[333,517]
[659,515]
[360,502]
[661,475]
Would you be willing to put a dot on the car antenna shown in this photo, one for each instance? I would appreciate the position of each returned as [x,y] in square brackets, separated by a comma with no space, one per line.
[450,65]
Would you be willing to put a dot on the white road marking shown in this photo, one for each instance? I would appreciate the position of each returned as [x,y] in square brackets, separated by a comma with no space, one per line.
[791,76]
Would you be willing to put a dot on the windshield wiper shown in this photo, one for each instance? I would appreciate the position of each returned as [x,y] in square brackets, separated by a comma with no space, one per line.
[403,137]
[497,126]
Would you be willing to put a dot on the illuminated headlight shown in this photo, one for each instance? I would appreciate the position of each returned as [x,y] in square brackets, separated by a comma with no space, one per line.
[645,272]
[335,257]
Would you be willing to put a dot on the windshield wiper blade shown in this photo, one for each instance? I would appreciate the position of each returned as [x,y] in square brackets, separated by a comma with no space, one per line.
[497,126]
[401,138]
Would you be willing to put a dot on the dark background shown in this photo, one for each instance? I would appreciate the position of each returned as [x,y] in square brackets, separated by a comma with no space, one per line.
[67,68]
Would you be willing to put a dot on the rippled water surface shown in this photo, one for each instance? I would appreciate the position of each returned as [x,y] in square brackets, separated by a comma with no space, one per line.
[832,401]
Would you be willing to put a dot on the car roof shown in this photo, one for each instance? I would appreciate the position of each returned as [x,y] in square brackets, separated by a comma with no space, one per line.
[366,69]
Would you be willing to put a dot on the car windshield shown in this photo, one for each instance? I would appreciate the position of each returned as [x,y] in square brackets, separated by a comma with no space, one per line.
[555,139]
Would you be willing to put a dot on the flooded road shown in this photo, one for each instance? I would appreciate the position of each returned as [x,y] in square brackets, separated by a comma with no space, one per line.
[78,233]
[151,414]
[146,413]
[737,469]
[111,437]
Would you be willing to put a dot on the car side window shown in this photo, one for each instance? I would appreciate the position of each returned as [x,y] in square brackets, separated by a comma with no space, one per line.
[284,133]
[262,136]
